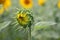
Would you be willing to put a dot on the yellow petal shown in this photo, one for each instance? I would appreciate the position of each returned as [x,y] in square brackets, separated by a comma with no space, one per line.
[41,2]
[7,4]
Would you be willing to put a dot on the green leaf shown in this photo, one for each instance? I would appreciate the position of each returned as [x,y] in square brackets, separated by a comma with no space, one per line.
[4,24]
[41,25]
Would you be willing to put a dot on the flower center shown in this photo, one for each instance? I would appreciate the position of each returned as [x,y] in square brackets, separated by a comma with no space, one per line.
[2,1]
[26,2]
[22,18]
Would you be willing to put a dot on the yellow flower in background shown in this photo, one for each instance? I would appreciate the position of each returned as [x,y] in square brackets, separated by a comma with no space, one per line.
[41,2]
[23,18]
[58,4]
[26,3]
[5,4]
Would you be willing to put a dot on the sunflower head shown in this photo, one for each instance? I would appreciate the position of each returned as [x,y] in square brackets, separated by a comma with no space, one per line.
[2,1]
[26,3]
[24,19]
[5,4]
[58,4]
[41,2]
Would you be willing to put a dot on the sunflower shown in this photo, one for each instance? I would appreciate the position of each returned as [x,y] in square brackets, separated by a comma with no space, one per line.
[5,4]
[58,4]
[41,2]
[24,19]
[26,3]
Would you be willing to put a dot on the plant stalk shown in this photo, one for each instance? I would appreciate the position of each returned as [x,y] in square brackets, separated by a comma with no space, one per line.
[29,33]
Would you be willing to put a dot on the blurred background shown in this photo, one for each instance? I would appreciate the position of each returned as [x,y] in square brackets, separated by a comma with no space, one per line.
[46,22]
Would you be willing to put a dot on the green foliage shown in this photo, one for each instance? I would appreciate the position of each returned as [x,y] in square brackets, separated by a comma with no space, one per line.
[46,24]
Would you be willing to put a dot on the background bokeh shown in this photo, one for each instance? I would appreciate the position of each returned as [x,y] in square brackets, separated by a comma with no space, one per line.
[46,22]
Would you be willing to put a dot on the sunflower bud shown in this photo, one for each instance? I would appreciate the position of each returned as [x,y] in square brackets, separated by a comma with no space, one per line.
[24,18]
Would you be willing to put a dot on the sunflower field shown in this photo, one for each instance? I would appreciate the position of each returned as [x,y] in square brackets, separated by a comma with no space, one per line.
[29,19]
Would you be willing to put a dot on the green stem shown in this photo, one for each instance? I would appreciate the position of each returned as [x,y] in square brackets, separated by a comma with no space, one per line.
[29,33]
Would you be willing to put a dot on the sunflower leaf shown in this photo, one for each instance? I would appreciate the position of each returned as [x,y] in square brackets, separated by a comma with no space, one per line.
[41,25]
[4,25]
